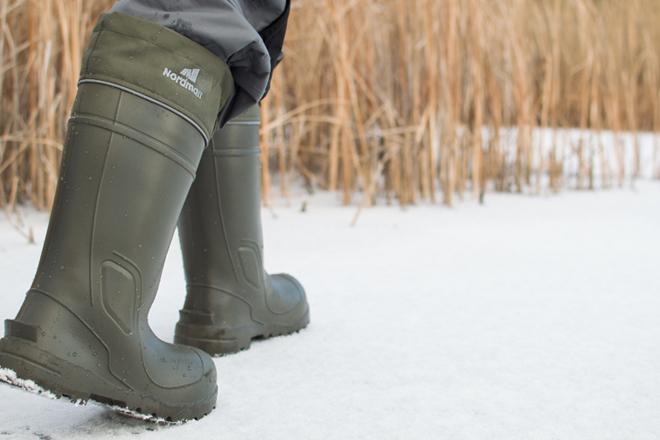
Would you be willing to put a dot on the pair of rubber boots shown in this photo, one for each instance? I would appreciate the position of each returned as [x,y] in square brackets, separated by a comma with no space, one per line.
[135,164]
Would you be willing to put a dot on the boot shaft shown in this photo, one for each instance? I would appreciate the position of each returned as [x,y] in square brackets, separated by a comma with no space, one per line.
[122,182]
[220,225]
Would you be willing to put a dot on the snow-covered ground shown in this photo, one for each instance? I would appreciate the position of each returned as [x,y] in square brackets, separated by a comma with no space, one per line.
[527,318]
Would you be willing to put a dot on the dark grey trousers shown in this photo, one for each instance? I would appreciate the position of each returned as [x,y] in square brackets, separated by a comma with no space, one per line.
[247,34]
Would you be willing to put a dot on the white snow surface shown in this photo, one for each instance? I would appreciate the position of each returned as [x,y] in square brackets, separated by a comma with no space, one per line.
[528,318]
[9,376]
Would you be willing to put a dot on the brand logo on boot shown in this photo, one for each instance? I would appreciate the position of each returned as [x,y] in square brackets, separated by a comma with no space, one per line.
[191,74]
[186,79]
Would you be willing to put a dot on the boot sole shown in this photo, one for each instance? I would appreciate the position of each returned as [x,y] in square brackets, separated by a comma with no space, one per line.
[25,366]
[233,340]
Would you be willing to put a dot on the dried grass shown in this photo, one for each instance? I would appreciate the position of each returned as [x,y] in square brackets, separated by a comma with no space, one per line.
[402,99]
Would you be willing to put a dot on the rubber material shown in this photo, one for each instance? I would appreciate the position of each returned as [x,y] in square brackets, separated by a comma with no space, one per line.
[230,299]
[82,331]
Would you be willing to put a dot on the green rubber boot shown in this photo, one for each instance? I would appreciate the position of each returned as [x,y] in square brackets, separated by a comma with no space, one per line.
[230,299]
[147,102]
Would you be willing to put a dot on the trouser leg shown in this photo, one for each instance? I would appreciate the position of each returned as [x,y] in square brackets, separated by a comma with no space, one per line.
[246,34]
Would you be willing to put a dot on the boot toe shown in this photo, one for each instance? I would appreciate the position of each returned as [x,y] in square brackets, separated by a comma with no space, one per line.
[198,395]
[288,295]
[209,372]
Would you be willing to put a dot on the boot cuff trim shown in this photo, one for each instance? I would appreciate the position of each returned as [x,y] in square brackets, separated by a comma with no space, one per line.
[160,64]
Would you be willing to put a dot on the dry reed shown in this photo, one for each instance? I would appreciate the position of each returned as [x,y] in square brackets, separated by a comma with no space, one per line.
[406,100]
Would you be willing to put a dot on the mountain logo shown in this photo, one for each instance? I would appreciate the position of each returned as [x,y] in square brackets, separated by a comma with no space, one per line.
[191,74]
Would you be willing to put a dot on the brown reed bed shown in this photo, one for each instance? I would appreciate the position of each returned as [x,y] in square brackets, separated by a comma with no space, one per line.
[406,100]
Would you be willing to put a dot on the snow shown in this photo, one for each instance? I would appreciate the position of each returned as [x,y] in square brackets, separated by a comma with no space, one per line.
[527,318]
[9,376]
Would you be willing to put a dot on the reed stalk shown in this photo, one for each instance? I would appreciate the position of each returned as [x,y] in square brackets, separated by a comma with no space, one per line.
[391,100]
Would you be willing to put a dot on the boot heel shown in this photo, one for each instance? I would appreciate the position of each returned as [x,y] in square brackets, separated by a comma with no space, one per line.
[228,329]
[23,364]
[51,347]
[197,330]
[215,347]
